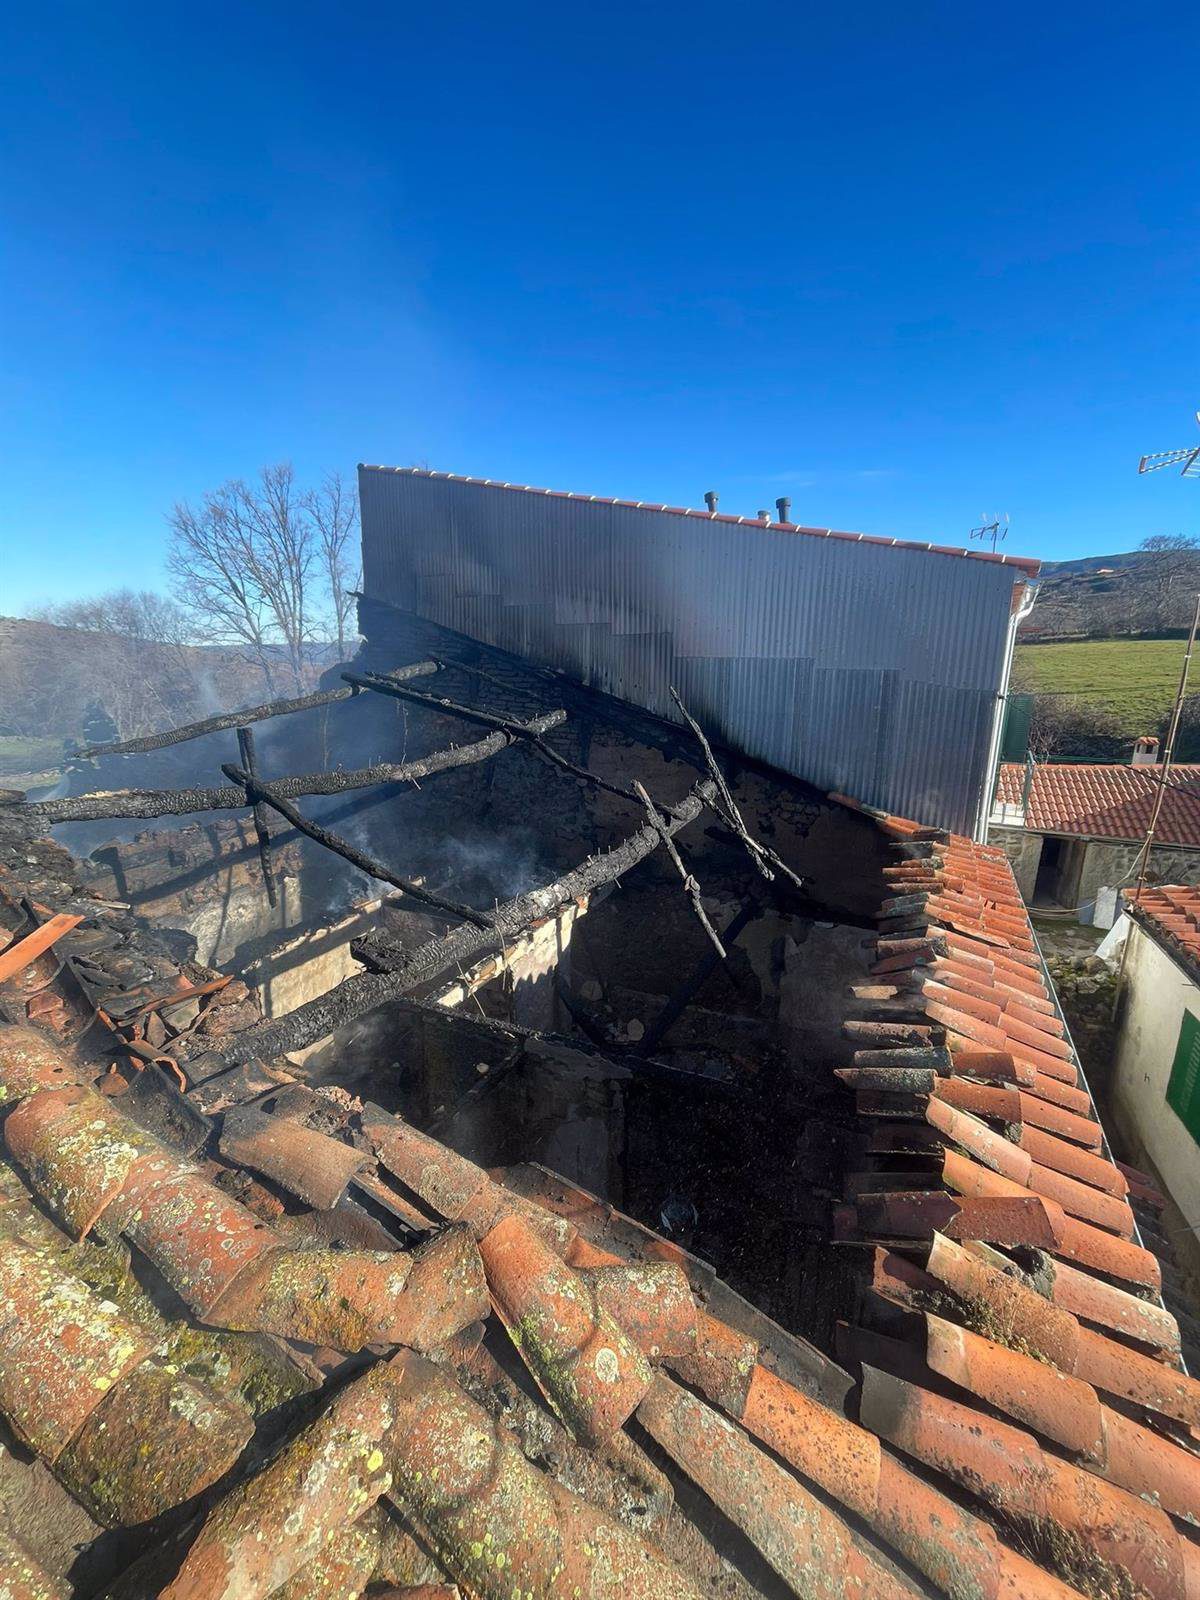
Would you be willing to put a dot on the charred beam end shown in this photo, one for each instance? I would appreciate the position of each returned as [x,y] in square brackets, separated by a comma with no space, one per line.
[184,802]
[257,790]
[245,739]
[726,808]
[488,719]
[459,948]
[235,719]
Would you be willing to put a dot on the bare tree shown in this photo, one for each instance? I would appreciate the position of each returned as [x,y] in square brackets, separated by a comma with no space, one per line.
[334,512]
[1068,725]
[241,566]
[135,667]
[1169,575]
[133,613]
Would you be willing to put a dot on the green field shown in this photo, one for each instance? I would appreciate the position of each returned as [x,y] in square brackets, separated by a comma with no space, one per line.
[20,753]
[1135,678]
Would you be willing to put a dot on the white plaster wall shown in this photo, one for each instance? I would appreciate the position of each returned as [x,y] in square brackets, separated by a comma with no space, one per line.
[1159,994]
[312,964]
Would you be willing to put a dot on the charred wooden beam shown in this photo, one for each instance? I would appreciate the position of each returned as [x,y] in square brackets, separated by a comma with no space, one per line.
[558,1048]
[183,802]
[691,887]
[234,719]
[470,1099]
[580,1015]
[262,834]
[727,810]
[487,719]
[265,792]
[405,971]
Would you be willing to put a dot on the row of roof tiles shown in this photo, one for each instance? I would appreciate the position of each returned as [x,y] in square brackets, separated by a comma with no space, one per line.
[1022,563]
[1100,801]
[1013,1343]
[1172,915]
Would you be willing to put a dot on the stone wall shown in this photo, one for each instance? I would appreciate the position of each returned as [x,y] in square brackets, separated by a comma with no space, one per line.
[1113,865]
[1085,985]
[1024,851]
[206,881]
[1087,865]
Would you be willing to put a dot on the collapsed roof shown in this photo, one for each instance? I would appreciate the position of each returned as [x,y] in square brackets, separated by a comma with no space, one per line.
[280,1341]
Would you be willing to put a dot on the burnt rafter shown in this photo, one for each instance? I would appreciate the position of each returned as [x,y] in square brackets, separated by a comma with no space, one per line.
[235,719]
[488,719]
[245,738]
[764,858]
[542,1044]
[691,887]
[184,802]
[705,967]
[405,971]
[265,794]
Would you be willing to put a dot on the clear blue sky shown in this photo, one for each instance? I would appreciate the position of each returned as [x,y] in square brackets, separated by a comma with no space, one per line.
[906,263]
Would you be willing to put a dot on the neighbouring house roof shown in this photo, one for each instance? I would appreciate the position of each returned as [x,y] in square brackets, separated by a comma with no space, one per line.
[1171,913]
[1105,801]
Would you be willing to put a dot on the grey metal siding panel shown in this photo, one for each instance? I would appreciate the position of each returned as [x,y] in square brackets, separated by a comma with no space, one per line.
[861,667]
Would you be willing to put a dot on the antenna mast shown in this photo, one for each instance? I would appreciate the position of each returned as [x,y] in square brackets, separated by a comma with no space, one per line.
[1187,460]
[993,529]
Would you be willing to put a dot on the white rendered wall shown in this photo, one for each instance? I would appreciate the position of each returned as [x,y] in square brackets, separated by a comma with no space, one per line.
[1160,991]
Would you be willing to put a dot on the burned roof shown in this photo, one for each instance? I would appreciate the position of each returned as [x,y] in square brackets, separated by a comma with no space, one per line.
[1105,801]
[258,1338]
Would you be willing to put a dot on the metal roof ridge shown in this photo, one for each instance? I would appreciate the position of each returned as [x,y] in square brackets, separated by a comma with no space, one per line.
[1026,564]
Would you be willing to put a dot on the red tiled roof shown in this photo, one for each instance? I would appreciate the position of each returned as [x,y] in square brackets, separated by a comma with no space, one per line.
[1106,801]
[1025,564]
[983,1141]
[1172,913]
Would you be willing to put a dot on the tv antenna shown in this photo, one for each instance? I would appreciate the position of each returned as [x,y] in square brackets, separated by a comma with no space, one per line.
[1188,459]
[992,530]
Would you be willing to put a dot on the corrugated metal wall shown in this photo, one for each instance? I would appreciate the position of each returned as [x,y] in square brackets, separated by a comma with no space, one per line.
[865,668]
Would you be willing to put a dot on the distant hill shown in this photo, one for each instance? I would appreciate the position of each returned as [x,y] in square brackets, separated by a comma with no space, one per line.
[59,683]
[1104,597]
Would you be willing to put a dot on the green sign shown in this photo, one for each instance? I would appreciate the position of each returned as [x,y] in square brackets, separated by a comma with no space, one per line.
[1183,1091]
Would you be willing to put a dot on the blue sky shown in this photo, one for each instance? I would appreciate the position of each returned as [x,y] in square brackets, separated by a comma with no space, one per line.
[907,264]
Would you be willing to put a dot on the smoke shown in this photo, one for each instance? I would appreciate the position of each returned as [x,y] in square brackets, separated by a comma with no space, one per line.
[496,864]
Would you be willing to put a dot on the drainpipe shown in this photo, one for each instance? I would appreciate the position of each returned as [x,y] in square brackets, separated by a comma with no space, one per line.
[992,771]
[1028,784]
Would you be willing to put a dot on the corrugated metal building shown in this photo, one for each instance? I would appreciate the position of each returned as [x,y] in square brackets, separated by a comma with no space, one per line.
[872,666]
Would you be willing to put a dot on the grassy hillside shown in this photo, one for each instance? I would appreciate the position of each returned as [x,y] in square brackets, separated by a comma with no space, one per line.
[1134,678]
[1104,597]
[50,675]
[21,754]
